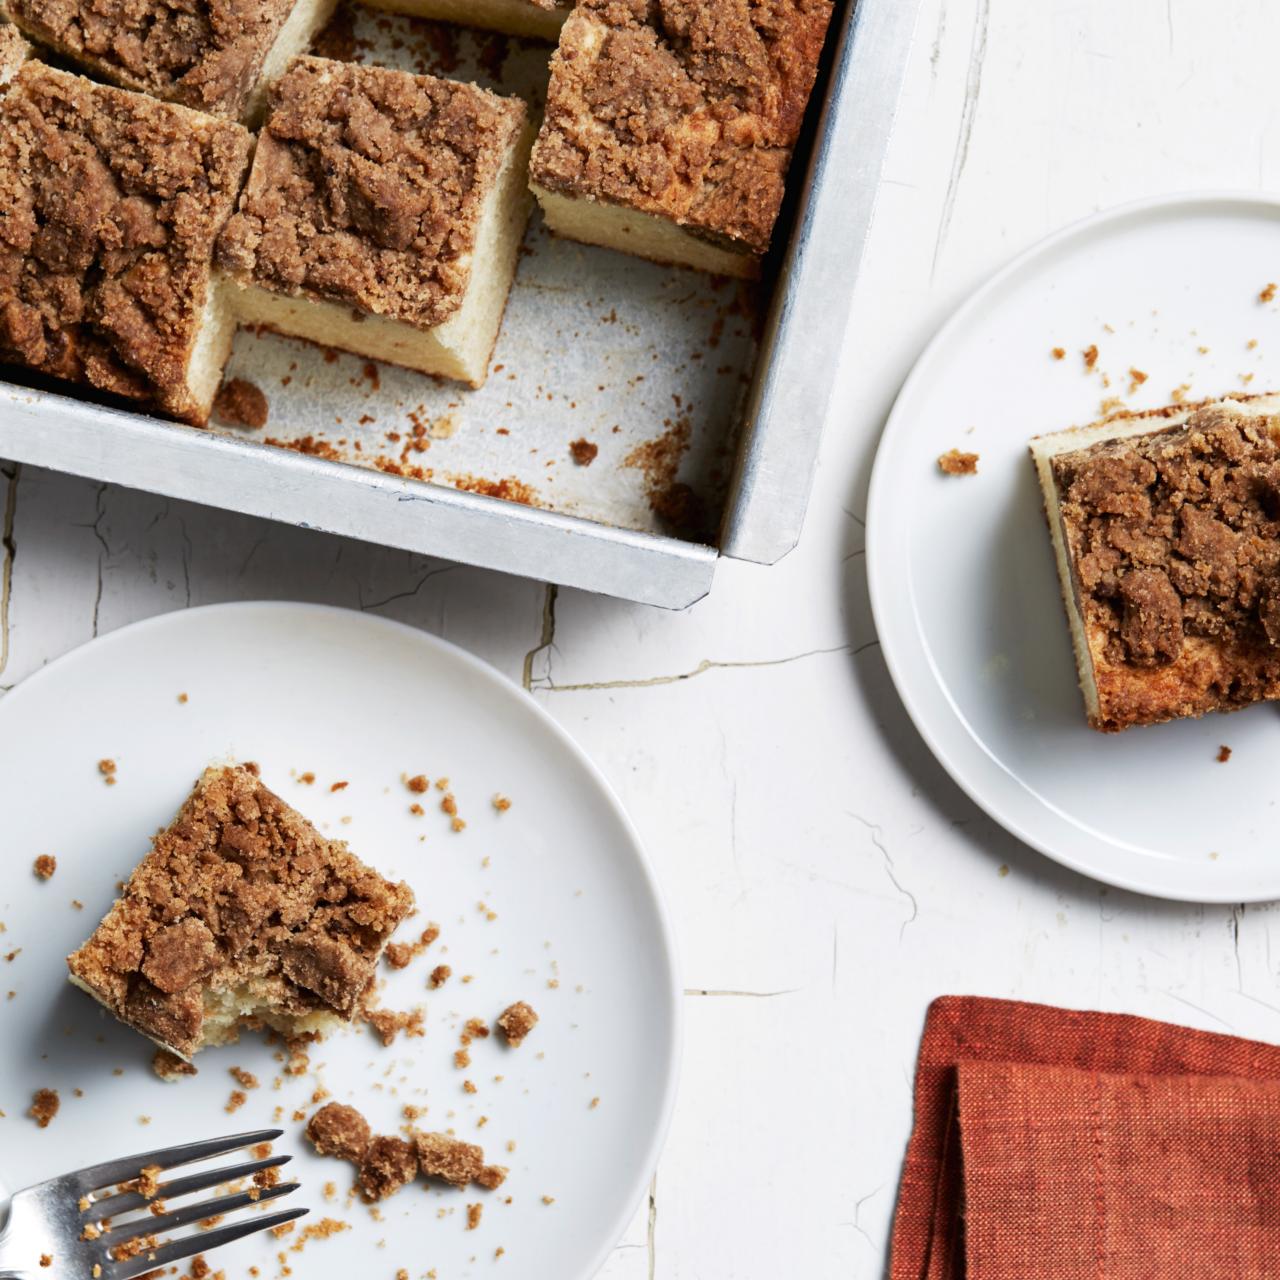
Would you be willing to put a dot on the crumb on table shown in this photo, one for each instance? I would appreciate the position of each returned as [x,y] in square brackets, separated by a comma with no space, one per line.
[1091,358]
[107,768]
[955,463]
[501,803]
[388,1023]
[1224,754]
[440,975]
[1059,353]
[474,1212]
[389,1164]
[516,1021]
[418,783]
[44,866]
[1268,293]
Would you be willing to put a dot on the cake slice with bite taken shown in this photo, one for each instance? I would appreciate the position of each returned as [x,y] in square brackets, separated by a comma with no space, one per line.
[241,914]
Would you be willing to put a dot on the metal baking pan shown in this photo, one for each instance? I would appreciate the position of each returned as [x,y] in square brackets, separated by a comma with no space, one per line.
[705,398]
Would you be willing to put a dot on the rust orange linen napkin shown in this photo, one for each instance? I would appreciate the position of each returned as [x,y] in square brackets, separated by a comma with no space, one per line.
[1087,1146]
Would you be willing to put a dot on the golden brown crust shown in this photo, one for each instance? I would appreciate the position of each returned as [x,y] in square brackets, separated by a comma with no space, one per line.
[207,55]
[684,109]
[1174,542]
[240,890]
[367,188]
[110,204]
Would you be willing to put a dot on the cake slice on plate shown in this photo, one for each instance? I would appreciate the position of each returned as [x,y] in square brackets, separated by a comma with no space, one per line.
[383,215]
[670,128]
[1166,530]
[242,913]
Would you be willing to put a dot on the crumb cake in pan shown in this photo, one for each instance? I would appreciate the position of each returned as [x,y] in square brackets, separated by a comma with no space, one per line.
[14,51]
[242,913]
[1166,530]
[214,55]
[383,215]
[110,205]
[670,126]
[541,19]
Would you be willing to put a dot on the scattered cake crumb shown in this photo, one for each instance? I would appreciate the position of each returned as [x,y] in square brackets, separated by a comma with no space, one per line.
[108,770]
[1091,358]
[237,1100]
[183,699]
[44,1106]
[240,403]
[399,955]
[1224,754]
[339,1130]
[474,1211]
[1268,293]
[584,452]
[548,1199]
[501,803]
[1059,353]
[169,1067]
[245,1079]
[595,1102]
[440,975]
[516,1021]
[955,463]
[1136,379]
[44,866]
[388,1023]
[418,783]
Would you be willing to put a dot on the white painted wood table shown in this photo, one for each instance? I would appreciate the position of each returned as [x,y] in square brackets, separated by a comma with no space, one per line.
[827,878]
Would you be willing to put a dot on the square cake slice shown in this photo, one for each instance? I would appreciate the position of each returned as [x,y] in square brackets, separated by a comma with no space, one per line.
[383,215]
[110,206]
[242,913]
[540,19]
[14,51]
[1166,530]
[670,128]
[215,55]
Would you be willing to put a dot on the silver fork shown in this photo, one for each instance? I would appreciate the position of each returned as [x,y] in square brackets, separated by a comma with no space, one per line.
[67,1228]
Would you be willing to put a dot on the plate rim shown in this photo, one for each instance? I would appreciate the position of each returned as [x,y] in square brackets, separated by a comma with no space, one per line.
[908,690]
[646,1168]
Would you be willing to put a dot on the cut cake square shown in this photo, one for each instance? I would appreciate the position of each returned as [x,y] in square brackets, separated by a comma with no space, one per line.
[383,215]
[670,128]
[242,913]
[110,206]
[215,55]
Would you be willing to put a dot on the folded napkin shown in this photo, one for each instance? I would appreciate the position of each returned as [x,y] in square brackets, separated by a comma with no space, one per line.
[1088,1146]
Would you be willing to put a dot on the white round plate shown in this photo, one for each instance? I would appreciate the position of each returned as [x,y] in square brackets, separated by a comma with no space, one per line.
[962,578]
[579,930]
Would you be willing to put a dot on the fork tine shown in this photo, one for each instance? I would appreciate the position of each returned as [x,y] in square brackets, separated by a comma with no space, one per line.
[127,1201]
[97,1176]
[154,1226]
[202,1242]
